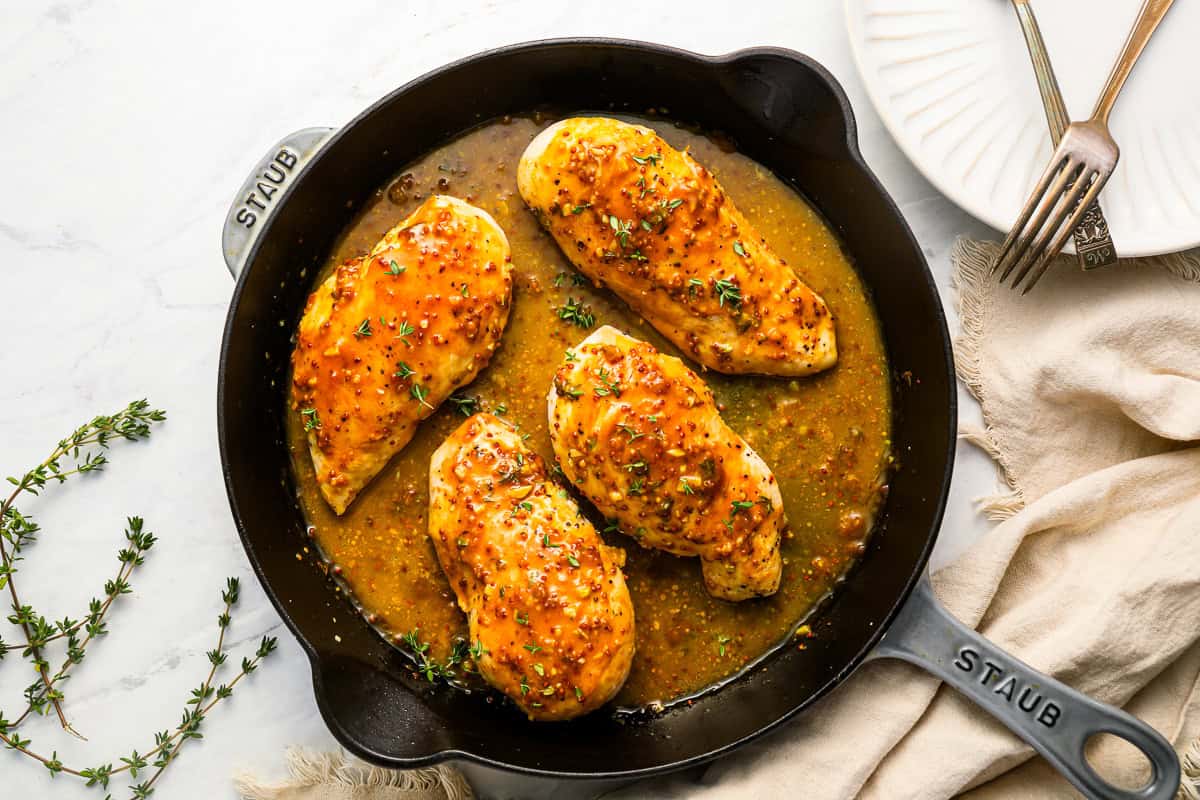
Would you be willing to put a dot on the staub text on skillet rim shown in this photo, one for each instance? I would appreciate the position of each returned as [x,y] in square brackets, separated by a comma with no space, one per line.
[789,114]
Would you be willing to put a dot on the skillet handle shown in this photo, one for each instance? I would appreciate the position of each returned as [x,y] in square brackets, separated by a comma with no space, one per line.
[260,193]
[1053,718]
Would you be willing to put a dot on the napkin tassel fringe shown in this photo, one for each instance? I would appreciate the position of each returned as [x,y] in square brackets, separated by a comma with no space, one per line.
[1189,788]
[308,768]
[973,261]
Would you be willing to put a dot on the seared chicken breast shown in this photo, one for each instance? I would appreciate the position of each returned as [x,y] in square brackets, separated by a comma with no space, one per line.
[542,592]
[651,224]
[639,434]
[389,336]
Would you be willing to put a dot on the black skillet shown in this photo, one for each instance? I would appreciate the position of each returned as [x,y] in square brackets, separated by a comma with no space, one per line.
[789,114]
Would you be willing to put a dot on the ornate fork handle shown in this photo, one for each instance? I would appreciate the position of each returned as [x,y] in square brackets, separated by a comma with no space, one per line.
[1093,244]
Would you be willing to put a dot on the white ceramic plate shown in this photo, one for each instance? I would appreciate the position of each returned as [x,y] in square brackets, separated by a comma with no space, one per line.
[953,83]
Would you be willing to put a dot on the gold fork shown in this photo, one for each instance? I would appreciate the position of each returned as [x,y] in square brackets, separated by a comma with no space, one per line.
[1093,244]
[1081,165]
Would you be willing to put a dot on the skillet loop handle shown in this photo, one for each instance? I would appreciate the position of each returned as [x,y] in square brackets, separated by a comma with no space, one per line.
[1053,718]
[261,192]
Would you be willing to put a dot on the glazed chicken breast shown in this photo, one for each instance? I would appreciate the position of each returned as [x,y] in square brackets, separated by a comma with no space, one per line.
[639,434]
[389,336]
[542,592]
[651,224]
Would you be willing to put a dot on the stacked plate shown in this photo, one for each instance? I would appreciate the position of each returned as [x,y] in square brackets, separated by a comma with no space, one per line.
[953,83]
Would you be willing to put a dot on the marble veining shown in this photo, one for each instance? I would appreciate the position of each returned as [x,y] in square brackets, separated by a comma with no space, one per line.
[128,126]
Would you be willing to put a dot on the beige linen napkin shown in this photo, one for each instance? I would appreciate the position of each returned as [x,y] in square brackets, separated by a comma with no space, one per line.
[1090,389]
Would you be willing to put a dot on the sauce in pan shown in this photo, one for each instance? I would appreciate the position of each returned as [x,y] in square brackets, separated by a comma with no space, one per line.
[827,437]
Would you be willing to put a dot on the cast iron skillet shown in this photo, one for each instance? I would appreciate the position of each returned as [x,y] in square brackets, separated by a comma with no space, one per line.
[781,109]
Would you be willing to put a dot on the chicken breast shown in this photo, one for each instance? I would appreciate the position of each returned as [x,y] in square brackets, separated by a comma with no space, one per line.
[387,337]
[639,434]
[651,224]
[541,590]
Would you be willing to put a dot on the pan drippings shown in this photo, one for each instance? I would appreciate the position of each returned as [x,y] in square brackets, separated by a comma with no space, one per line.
[826,437]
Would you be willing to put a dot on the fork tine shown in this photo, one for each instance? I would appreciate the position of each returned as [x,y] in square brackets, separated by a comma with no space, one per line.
[1039,193]
[1044,199]
[1092,193]
[1064,206]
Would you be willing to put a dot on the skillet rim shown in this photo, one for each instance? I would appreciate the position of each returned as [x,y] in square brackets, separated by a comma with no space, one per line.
[854,154]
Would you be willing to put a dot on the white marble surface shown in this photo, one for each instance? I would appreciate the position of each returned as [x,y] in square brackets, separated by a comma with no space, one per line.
[127,126]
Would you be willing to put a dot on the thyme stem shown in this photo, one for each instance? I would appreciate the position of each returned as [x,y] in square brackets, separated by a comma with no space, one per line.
[130,559]
[133,422]
[17,531]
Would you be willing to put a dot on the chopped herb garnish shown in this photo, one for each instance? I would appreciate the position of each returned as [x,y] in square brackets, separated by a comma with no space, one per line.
[394,268]
[636,255]
[652,417]
[571,356]
[686,487]
[621,228]
[661,210]
[462,542]
[608,386]
[547,543]
[405,330]
[740,505]
[636,466]
[630,432]
[578,209]
[312,421]
[419,393]
[573,561]
[539,669]
[403,370]
[766,503]
[524,685]
[526,505]
[646,226]
[565,388]
[721,642]
[465,291]
[727,291]
[611,526]
[363,329]
[737,248]
[413,640]
[533,648]
[577,313]
[501,409]
[465,405]
[653,158]
[635,488]
[477,650]
[522,618]
[578,694]
[549,690]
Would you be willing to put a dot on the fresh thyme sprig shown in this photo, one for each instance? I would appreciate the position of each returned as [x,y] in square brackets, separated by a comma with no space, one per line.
[166,743]
[92,625]
[18,531]
[462,656]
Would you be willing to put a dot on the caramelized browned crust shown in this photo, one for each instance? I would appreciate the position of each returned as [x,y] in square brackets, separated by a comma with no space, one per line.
[543,594]
[647,221]
[388,337]
[639,434]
